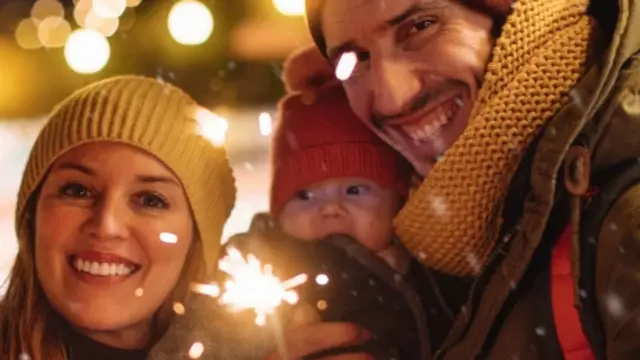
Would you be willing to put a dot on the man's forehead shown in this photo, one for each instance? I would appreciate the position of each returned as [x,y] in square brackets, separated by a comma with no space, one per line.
[343,11]
[349,20]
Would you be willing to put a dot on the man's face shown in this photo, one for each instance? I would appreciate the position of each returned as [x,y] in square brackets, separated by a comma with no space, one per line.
[420,66]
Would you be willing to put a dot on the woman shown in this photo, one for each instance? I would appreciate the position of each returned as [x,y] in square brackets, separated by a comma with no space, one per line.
[121,205]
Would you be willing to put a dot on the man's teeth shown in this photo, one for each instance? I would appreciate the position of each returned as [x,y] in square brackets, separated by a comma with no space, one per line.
[434,123]
[101,268]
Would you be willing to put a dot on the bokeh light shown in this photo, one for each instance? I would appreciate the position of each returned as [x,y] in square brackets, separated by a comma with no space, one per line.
[81,11]
[322,279]
[43,9]
[178,308]
[53,32]
[105,26]
[346,65]
[290,7]
[212,127]
[27,35]
[265,124]
[196,350]
[190,22]
[87,51]
[168,237]
[109,9]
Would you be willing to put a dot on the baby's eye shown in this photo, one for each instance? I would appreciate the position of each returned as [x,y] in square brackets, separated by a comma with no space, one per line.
[357,190]
[304,195]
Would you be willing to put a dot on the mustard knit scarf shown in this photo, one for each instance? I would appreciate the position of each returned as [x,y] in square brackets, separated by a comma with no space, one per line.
[451,222]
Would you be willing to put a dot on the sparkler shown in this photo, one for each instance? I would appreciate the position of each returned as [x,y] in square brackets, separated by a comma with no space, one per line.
[252,286]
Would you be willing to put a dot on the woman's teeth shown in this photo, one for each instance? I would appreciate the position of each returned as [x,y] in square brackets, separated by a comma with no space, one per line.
[431,126]
[102,268]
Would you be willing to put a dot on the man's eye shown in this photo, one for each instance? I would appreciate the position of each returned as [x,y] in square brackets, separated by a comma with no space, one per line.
[362,56]
[414,27]
[75,190]
[420,25]
[348,56]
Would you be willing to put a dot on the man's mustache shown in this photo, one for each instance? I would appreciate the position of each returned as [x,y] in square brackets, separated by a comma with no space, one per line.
[416,104]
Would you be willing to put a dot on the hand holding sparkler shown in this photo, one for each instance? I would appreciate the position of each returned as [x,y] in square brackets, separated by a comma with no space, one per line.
[253,286]
[362,290]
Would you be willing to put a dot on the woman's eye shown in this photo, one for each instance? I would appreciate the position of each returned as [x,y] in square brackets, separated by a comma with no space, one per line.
[75,190]
[153,201]
[304,195]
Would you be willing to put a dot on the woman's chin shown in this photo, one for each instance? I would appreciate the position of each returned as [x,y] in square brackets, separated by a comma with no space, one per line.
[119,332]
[104,319]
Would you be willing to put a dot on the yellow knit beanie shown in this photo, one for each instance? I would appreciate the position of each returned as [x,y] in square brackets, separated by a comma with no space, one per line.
[152,116]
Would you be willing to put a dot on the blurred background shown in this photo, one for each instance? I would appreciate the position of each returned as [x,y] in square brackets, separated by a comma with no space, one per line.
[226,53]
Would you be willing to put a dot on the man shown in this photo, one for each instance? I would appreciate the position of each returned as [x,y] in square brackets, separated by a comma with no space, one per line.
[512,113]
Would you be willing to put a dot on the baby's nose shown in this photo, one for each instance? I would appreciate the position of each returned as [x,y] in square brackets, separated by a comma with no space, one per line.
[333,208]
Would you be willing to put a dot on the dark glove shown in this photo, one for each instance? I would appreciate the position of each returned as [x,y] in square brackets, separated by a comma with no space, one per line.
[362,289]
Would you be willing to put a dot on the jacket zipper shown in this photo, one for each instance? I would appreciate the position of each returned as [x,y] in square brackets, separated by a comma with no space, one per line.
[499,250]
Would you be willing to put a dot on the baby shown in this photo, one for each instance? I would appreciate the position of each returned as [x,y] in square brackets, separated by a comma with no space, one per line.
[331,173]
[334,175]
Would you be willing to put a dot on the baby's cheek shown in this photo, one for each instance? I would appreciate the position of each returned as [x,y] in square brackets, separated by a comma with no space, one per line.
[298,227]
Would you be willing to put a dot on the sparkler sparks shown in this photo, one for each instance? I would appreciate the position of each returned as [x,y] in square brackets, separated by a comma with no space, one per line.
[253,286]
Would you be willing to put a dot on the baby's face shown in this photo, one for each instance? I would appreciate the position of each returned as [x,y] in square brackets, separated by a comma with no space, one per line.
[352,206]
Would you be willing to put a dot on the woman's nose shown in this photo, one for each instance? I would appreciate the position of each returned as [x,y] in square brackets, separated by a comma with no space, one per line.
[109,220]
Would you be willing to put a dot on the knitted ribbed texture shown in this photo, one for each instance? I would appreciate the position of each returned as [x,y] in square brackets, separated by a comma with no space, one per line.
[315,165]
[452,221]
[320,138]
[152,116]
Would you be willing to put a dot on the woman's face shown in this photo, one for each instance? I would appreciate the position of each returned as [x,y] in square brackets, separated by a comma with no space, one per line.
[112,232]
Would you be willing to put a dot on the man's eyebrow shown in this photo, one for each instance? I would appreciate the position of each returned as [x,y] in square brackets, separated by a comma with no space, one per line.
[407,13]
[346,46]
[351,45]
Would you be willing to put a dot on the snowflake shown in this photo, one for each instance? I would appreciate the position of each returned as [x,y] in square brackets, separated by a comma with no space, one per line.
[614,305]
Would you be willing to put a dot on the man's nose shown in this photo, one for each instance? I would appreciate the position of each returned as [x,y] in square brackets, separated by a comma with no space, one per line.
[109,219]
[394,84]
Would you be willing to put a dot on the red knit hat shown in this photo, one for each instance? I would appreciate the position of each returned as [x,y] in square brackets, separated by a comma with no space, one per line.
[318,137]
[498,9]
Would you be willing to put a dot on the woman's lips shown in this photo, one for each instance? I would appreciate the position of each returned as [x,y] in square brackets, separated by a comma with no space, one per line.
[102,264]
